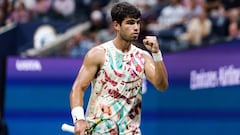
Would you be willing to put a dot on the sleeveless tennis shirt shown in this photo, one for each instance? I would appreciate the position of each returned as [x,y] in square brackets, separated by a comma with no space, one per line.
[117,89]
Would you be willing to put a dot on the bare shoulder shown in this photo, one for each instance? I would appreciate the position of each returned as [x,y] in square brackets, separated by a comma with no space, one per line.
[95,55]
[96,51]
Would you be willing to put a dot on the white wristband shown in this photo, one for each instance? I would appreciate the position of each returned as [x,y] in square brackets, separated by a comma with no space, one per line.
[157,56]
[77,113]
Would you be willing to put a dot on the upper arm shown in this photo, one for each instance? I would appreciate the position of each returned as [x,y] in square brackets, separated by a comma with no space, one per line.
[149,67]
[156,73]
[91,64]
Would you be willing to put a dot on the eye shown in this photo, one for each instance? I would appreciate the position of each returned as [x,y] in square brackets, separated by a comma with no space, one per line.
[131,22]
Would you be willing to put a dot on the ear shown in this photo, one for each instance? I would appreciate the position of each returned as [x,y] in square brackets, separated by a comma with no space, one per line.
[116,25]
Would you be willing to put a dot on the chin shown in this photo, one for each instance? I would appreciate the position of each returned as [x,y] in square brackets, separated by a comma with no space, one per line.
[134,38]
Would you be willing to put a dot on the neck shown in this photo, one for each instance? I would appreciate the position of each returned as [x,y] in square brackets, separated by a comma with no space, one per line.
[122,45]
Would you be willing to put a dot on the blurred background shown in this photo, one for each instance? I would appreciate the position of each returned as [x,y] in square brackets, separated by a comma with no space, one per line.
[43,42]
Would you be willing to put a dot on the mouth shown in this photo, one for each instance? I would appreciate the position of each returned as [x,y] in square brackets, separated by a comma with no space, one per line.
[135,34]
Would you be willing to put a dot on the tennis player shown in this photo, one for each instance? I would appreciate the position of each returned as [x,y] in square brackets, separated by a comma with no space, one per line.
[115,70]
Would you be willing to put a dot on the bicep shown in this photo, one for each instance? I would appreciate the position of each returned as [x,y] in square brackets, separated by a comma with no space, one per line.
[85,75]
[91,65]
[149,68]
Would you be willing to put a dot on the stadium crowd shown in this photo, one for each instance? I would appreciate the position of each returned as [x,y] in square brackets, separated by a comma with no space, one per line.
[179,24]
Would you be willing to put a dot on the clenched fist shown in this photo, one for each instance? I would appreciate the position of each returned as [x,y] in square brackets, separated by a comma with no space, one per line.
[151,43]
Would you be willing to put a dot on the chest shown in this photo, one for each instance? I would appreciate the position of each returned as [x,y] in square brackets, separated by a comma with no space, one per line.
[125,67]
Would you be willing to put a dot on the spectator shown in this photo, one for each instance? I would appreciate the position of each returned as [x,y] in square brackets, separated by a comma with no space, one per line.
[195,8]
[79,45]
[10,8]
[173,15]
[217,15]
[170,24]
[20,14]
[85,7]
[154,12]
[98,21]
[28,3]
[2,18]
[41,8]
[233,27]
[105,34]
[64,8]
[72,47]
[3,12]
[198,29]
[143,5]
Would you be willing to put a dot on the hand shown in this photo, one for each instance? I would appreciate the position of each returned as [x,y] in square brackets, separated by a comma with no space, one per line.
[80,127]
[151,43]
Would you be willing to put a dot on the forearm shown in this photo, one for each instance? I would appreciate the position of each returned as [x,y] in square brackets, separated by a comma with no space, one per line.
[160,76]
[76,103]
[76,98]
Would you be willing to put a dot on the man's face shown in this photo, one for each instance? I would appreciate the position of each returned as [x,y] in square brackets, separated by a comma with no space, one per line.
[129,29]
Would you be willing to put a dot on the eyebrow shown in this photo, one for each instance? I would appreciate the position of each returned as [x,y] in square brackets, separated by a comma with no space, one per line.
[132,19]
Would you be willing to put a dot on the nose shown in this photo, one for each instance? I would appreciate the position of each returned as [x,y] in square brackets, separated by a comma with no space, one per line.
[136,27]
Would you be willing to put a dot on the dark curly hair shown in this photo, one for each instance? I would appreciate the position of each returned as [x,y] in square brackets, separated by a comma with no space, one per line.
[122,10]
